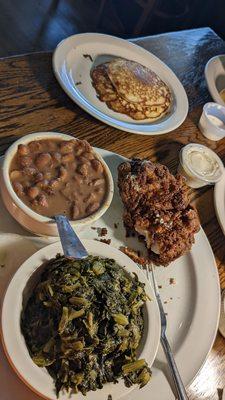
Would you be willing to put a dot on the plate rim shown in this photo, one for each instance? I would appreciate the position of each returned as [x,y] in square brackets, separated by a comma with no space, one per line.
[219,189]
[150,129]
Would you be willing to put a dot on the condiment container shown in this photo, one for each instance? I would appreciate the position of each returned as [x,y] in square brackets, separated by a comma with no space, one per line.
[212,121]
[200,165]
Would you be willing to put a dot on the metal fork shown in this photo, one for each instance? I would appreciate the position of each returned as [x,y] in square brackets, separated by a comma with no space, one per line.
[181,392]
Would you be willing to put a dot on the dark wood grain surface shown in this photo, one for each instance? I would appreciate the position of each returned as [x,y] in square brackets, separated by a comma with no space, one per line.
[31,100]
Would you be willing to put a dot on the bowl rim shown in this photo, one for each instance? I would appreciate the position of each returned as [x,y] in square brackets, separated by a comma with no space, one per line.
[11,151]
[17,342]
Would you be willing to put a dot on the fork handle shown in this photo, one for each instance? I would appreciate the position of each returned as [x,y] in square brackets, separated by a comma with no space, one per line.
[181,392]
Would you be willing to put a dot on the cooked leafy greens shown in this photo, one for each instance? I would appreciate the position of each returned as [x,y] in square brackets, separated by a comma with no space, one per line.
[84,322]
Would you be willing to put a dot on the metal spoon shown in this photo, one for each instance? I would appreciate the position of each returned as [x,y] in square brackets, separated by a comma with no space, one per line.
[71,244]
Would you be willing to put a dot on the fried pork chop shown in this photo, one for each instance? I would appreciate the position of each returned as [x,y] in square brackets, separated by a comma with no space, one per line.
[139,110]
[157,208]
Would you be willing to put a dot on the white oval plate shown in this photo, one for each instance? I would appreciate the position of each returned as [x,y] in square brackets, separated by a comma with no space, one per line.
[71,67]
[192,326]
[37,378]
[219,201]
[215,77]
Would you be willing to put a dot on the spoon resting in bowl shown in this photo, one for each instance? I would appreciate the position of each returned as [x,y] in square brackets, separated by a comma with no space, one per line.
[71,244]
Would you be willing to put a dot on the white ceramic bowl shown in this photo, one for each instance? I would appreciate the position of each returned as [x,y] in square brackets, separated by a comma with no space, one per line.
[212,121]
[28,218]
[215,77]
[13,341]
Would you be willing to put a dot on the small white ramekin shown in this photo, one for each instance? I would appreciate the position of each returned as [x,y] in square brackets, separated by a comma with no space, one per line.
[28,218]
[210,130]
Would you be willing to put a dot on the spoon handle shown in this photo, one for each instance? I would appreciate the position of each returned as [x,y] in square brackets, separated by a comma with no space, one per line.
[71,244]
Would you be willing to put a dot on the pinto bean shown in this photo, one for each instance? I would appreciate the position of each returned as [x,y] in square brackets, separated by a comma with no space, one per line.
[43,160]
[33,192]
[66,146]
[39,177]
[83,169]
[25,161]
[67,158]
[63,174]
[47,175]
[29,171]
[23,150]
[54,183]
[16,174]
[18,187]
[43,184]
[91,198]
[90,155]
[56,156]
[92,207]
[97,165]
[35,146]
[42,200]
[97,182]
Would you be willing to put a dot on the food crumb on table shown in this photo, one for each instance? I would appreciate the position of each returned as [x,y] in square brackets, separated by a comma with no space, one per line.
[78,83]
[116,225]
[93,227]
[2,265]
[172,281]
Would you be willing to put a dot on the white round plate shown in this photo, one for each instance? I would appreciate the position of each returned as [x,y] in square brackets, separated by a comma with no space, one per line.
[192,303]
[14,344]
[215,77]
[72,63]
[219,201]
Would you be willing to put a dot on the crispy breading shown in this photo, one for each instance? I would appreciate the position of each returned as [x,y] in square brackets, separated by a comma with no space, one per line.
[157,207]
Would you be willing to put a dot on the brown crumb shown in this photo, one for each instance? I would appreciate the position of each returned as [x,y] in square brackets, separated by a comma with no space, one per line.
[115,225]
[134,255]
[172,281]
[106,241]
[88,56]
[78,83]
[165,302]
[171,298]
[160,286]
[102,232]
[93,227]
[2,265]
[166,313]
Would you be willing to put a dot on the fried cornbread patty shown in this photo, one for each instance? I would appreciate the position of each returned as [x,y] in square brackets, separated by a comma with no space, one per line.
[157,208]
[136,83]
[107,93]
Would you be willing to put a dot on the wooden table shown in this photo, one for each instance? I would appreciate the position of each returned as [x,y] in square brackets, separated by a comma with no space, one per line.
[31,100]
